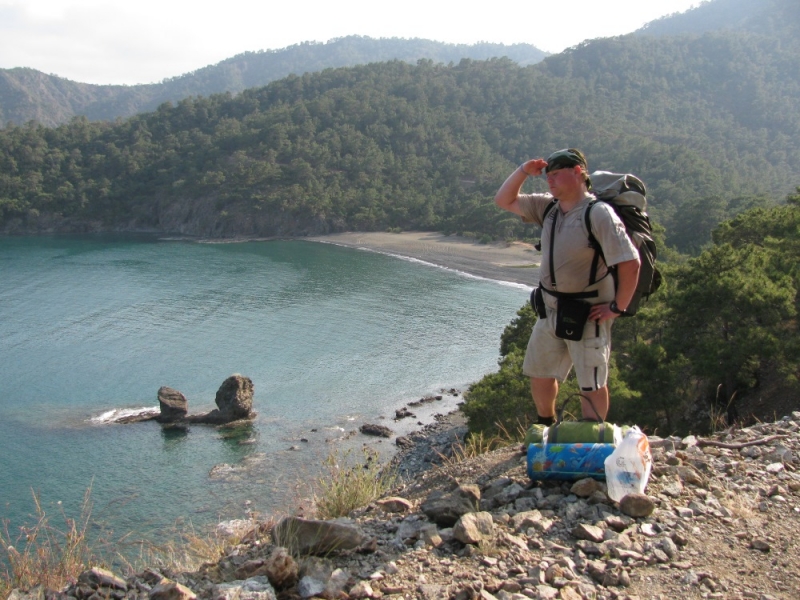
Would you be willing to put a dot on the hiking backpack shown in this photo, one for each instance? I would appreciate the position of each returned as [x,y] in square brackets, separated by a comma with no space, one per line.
[627,195]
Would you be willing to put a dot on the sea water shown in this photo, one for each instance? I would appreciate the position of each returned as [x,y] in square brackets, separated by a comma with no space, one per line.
[332,337]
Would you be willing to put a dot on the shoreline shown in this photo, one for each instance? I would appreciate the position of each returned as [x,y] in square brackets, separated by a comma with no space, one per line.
[516,262]
[507,262]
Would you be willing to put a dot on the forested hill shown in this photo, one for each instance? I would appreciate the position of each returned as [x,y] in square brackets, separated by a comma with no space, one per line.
[711,122]
[27,94]
[759,16]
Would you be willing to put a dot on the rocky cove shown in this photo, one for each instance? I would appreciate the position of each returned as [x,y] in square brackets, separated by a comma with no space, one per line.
[718,520]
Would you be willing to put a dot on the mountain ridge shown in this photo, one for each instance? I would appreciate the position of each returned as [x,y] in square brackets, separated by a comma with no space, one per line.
[27,94]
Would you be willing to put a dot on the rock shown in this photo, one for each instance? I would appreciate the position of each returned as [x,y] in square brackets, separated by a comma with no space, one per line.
[336,583]
[235,398]
[172,403]
[361,590]
[376,430]
[403,413]
[525,520]
[35,593]
[305,536]
[254,588]
[446,508]
[394,504]
[637,505]
[281,569]
[97,577]
[762,545]
[430,535]
[669,547]
[171,590]
[403,442]
[315,575]
[309,587]
[583,531]
[584,488]
[474,527]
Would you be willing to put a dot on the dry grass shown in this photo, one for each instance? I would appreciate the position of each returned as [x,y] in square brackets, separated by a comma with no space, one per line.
[53,555]
[186,548]
[46,554]
[479,443]
[350,484]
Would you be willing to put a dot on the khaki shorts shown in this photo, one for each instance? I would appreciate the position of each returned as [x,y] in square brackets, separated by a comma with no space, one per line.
[550,357]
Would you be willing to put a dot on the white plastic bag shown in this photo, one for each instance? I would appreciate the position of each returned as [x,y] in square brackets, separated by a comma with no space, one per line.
[628,467]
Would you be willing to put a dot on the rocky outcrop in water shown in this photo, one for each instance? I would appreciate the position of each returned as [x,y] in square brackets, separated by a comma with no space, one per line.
[173,405]
[234,401]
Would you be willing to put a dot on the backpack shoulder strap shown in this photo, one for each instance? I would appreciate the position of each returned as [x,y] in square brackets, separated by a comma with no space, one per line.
[593,243]
[546,212]
[548,208]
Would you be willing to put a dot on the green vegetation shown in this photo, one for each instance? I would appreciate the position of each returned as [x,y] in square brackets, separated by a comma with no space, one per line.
[707,121]
[27,94]
[716,340]
[350,484]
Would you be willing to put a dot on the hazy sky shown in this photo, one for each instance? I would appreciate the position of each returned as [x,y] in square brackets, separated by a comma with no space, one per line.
[144,41]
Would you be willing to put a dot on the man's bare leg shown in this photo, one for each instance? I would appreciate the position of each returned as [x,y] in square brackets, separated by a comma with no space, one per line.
[599,402]
[544,392]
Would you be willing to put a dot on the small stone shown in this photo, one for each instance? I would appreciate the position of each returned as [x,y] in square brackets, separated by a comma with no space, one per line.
[762,545]
[648,530]
[618,523]
[394,504]
[637,505]
[669,547]
[171,590]
[588,532]
[362,590]
[584,488]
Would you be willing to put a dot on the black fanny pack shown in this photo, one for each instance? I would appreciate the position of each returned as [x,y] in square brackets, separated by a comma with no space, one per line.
[571,318]
[537,301]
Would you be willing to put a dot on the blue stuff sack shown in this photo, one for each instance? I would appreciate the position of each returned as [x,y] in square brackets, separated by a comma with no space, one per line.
[568,461]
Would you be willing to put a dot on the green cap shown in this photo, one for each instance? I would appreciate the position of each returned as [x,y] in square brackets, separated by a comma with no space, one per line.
[569,157]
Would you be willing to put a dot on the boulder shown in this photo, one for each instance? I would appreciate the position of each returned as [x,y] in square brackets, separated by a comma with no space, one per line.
[235,398]
[306,536]
[378,430]
[472,528]
[172,403]
[446,509]
[234,401]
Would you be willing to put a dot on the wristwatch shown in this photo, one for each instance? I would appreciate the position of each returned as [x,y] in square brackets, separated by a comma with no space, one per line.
[615,309]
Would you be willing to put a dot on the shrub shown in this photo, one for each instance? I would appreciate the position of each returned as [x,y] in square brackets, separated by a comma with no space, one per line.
[348,486]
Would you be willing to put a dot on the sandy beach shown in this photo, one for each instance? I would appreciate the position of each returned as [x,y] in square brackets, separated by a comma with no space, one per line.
[515,262]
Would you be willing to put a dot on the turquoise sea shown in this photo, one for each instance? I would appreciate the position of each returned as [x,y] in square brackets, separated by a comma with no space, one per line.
[332,338]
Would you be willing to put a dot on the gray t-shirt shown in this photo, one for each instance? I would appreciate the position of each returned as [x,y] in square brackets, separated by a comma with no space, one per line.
[572,255]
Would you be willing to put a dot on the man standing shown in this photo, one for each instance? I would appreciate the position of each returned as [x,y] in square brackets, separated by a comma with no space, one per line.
[567,274]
